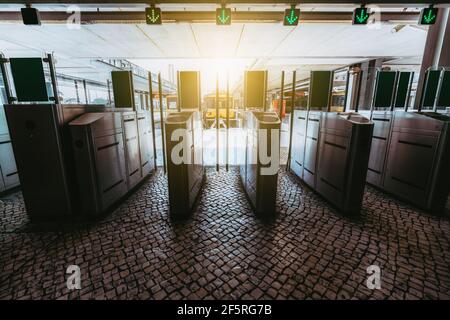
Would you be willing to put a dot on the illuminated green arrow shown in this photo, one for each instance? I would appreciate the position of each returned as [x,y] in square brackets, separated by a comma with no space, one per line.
[430,17]
[292,18]
[362,17]
[153,18]
[223,18]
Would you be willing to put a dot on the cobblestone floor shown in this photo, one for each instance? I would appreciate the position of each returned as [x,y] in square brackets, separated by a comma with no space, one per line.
[310,251]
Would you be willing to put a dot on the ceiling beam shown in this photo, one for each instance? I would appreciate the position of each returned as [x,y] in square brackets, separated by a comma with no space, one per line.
[332,2]
[91,17]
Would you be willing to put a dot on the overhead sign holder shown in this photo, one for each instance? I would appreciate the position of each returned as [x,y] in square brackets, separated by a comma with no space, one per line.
[291,16]
[223,16]
[428,15]
[361,15]
[30,16]
[153,15]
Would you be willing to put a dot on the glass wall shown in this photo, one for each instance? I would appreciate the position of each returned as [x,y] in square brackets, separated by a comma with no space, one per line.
[79,91]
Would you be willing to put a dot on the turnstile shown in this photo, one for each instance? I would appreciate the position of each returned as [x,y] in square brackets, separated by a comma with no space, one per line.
[100,165]
[344,147]
[259,175]
[330,153]
[59,164]
[39,142]
[416,167]
[184,160]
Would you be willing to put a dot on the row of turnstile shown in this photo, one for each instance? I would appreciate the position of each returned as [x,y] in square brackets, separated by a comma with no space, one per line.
[406,154]
[410,156]
[330,153]
[78,160]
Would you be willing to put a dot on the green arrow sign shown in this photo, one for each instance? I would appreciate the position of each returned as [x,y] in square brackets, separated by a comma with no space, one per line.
[153,15]
[223,16]
[291,17]
[360,16]
[428,16]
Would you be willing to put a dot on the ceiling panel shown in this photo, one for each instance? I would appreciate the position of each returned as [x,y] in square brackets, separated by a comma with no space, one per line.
[261,38]
[217,41]
[175,40]
[348,40]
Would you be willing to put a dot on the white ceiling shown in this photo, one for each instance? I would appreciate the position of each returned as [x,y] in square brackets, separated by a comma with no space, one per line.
[212,48]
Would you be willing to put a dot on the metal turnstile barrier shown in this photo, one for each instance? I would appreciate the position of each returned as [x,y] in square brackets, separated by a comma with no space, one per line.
[64,152]
[132,150]
[146,142]
[259,181]
[344,147]
[417,164]
[330,153]
[409,149]
[9,177]
[184,160]
[100,165]
[40,143]
[382,121]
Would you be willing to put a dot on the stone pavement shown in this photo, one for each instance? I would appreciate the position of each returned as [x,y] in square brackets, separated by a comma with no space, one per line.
[309,252]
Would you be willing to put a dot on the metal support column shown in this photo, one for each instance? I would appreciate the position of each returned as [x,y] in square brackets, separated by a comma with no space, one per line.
[291,125]
[217,122]
[51,65]
[228,121]
[76,90]
[152,115]
[108,84]
[280,104]
[4,71]
[85,92]
[408,96]
[162,121]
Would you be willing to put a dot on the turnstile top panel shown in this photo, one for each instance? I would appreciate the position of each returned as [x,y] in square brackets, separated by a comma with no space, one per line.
[179,117]
[266,117]
[102,123]
[128,115]
[436,116]
[86,119]
[354,117]
[424,121]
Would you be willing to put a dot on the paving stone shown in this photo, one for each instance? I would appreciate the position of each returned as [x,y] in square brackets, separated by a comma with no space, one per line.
[224,251]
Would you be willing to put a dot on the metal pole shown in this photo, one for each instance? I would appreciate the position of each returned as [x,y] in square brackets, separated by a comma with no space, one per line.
[228,120]
[217,122]
[53,77]
[408,97]
[280,105]
[108,82]
[85,92]
[330,97]
[76,90]
[358,89]
[422,92]
[152,116]
[178,92]
[438,91]
[347,81]
[291,125]
[162,121]
[4,71]
[394,96]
